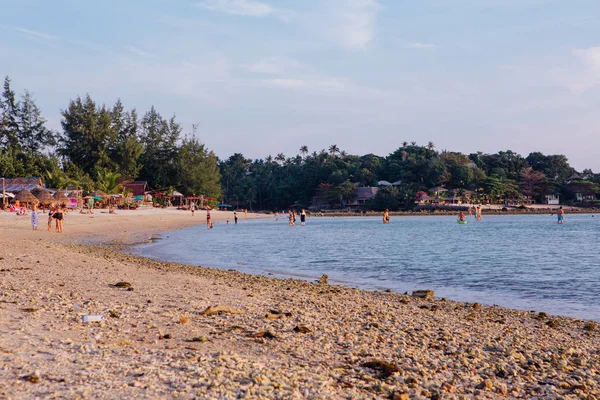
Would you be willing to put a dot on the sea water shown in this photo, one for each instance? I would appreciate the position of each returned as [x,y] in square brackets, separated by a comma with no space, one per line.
[525,262]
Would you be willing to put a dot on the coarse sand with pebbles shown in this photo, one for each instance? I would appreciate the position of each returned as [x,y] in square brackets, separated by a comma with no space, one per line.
[177,331]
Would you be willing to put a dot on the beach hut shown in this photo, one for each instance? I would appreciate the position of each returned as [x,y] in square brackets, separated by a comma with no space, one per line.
[98,193]
[61,197]
[25,196]
[43,196]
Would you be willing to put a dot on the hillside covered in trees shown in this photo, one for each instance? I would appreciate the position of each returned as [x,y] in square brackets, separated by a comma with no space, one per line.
[101,147]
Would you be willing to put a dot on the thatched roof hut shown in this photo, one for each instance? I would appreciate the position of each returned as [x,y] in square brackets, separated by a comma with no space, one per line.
[61,197]
[25,196]
[98,193]
[44,196]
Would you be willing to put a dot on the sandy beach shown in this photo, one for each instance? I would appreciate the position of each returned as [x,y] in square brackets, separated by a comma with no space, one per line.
[177,331]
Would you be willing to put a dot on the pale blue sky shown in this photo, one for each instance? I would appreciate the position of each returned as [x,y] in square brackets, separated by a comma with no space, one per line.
[263,76]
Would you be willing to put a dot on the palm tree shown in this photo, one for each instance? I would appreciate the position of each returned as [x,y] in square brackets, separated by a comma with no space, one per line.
[334,149]
[413,143]
[304,150]
[280,158]
[404,144]
[430,146]
[109,182]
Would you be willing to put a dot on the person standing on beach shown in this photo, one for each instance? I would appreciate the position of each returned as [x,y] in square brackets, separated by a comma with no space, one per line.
[51,212]
[34,217]
[245,213]
[303,217]
[58,217]
[208,219]
[561,215]
[235,217]
[193,208]
[386,216]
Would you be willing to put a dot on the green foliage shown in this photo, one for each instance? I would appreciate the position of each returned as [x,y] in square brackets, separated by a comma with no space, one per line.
[197,169]
[109,182]
[101,147]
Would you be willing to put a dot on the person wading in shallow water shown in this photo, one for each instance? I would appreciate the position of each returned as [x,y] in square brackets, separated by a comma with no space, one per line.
[561,215]
[386,216]
[303,217]
[208,219]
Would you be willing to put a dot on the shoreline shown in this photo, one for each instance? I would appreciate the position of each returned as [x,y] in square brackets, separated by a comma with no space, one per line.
[273,337]
[447,213]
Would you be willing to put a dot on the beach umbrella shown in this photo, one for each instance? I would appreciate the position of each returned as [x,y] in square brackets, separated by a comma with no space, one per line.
[98,193]
[60,197]
[25,196]
[44,196]
[223,205]
[98,198]
[9,195]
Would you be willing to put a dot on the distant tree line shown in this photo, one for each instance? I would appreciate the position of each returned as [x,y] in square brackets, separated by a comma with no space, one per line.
[280,182]
[100,147]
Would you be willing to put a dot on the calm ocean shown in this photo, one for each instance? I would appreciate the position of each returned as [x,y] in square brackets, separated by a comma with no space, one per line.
[524,262]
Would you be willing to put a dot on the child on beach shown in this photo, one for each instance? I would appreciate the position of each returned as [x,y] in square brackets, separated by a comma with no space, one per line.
[34,217]
[50,214]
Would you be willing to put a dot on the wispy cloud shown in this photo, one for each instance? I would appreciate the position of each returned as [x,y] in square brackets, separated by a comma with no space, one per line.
[355,22]
[420,46]
[37,35]
[276,66]
[237,7]
[139,52]
[589,75]
[327,85]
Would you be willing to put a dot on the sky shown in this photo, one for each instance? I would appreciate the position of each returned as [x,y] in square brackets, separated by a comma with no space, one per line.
[261,77]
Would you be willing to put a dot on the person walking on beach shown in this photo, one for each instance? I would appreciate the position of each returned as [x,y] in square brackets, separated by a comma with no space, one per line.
[561,215]
[386,216]
[193,208]
[208,219]
[303,217]
[34,217]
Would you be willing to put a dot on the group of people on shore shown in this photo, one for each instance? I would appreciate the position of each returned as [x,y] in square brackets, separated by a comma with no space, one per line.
[56,212]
